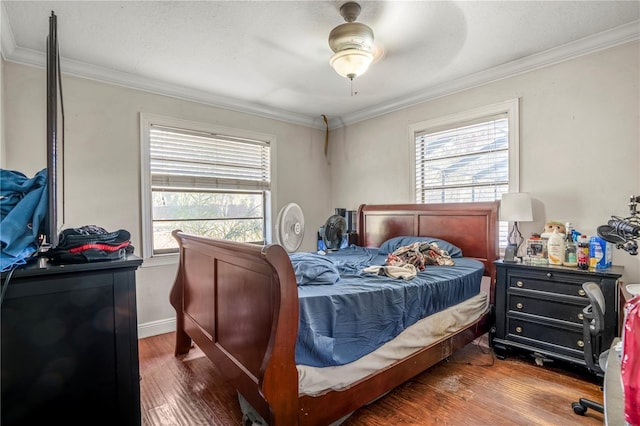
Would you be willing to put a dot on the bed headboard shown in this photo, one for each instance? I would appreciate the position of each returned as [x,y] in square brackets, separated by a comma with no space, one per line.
[471,226]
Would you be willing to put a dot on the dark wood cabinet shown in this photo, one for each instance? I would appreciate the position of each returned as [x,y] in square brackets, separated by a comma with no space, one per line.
[69,345]
[539,309]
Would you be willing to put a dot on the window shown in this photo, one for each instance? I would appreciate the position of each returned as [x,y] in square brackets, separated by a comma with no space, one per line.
[467,157]
[205,180]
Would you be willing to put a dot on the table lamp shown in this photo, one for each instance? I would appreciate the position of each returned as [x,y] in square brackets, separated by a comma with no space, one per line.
[515,207]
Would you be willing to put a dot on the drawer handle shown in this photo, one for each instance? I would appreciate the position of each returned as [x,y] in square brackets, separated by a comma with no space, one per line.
[519,305]
[549,274]
[580,316]
[580,344]
[581,292]
[518,329]
[519,283]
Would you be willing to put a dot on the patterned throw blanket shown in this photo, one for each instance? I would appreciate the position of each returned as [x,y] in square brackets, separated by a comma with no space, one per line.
[420,254]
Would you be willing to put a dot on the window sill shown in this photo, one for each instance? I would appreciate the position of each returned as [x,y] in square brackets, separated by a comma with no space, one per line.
[161,260]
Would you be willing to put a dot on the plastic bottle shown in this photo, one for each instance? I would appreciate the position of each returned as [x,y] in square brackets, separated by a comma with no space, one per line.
[570,252]
[571,234]
[583,252]
[555,248]
[595,252]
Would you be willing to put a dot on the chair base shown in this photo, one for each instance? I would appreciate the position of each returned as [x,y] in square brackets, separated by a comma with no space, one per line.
[583,404]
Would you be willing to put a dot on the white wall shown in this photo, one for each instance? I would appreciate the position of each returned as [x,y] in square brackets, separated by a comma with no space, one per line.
[2,154]
[579,143]
[102,160]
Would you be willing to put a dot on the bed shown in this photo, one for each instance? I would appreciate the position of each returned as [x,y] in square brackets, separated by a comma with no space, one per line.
[242,305]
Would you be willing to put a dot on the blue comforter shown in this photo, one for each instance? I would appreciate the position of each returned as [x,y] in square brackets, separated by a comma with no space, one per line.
[347,313]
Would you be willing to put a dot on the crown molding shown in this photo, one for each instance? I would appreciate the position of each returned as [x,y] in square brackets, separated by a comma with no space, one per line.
[7,42]
[617,36]
[30,57]
[84,70]
[604,40]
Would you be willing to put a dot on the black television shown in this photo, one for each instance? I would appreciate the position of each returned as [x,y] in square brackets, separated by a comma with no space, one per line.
[54,219]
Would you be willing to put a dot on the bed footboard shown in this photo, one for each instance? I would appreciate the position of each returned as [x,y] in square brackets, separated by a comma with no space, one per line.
[239,304]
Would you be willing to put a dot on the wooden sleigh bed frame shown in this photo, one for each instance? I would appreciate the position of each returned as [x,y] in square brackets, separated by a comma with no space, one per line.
[239,304]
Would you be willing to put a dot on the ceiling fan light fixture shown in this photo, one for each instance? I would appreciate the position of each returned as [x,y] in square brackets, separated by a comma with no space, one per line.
[351,63]
[352,44]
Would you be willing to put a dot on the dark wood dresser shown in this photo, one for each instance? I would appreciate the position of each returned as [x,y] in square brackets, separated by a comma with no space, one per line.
[539,309]
[70,345]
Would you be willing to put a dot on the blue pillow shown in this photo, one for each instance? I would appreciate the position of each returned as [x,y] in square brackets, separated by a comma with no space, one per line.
[314,269]
[392,244]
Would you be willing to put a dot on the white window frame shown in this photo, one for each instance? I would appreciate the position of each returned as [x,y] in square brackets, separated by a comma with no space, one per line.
[510,108]
[146,120]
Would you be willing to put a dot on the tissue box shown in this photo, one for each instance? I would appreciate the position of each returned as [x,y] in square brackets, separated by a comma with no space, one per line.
[599,253]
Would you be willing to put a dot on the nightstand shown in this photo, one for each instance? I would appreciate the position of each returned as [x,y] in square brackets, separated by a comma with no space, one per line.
[539,309]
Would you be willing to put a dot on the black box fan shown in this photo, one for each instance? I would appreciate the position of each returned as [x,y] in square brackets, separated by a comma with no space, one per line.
[334,230]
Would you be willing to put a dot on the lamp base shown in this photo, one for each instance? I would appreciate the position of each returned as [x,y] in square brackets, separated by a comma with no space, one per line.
[510,253]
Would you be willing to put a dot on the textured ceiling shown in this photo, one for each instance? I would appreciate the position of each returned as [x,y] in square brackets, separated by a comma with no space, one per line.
[271,57]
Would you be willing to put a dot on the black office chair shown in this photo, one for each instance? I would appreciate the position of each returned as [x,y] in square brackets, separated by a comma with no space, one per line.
[592,325]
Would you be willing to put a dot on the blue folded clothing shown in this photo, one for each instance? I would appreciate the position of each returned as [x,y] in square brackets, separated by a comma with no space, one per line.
[23,208]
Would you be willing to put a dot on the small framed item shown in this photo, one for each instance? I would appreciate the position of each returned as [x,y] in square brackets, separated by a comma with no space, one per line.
[536,250]
[510,253]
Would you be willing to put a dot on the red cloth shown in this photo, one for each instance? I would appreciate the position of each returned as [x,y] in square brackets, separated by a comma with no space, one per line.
[630,364]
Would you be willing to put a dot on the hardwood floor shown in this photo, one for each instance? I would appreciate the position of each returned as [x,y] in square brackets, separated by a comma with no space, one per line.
[470,388]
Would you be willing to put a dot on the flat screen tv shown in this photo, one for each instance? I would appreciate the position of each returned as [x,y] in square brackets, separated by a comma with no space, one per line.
[55,139]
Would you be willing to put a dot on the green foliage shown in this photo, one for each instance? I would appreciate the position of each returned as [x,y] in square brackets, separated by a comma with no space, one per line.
[228,216]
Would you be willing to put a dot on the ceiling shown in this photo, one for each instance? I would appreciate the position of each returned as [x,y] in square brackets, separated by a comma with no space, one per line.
[272,57]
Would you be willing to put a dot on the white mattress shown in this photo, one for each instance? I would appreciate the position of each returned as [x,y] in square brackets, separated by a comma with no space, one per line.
[317,380]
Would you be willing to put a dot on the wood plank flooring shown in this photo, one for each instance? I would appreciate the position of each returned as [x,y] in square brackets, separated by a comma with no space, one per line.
[470,388]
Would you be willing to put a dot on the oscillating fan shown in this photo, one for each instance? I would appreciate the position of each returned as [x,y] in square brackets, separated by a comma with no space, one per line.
[334,229]
[290,227]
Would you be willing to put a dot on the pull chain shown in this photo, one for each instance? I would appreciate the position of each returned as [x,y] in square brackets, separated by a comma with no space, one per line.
[352,92]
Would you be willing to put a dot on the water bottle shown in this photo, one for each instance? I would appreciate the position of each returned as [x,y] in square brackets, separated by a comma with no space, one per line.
[570,253]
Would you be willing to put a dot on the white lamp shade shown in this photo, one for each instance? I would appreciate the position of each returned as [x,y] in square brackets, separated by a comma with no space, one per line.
[516,207]
[351,63]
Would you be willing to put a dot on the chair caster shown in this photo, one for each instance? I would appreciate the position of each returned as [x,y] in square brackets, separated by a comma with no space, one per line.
[579,408]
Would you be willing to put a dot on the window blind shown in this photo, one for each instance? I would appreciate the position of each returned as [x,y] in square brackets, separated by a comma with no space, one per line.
[186,159]
[463,164]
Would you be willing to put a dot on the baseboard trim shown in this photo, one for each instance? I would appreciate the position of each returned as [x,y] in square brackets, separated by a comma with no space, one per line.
[154,328]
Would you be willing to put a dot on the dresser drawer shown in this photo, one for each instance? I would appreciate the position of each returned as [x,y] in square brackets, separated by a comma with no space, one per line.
[546,337]
[549,307]
[551,282]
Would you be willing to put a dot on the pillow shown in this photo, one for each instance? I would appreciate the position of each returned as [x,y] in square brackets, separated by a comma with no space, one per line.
[314,269]
[392,244]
